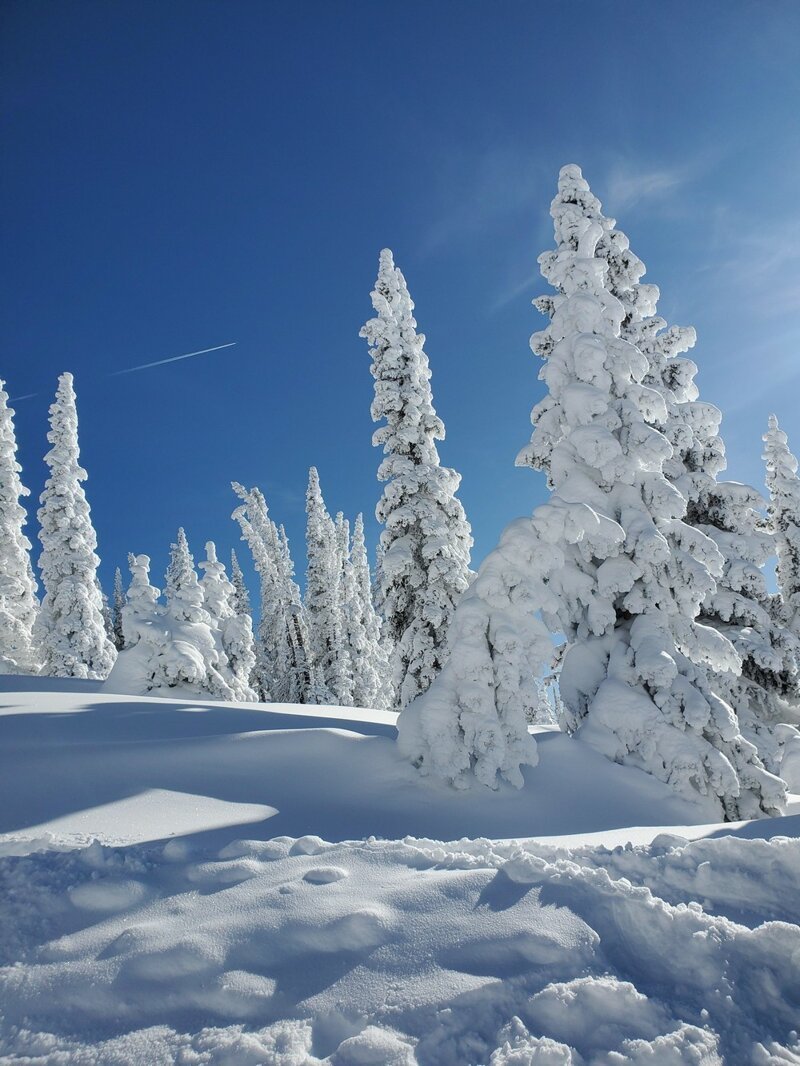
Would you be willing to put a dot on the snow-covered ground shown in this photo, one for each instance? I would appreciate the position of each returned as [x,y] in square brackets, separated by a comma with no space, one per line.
[268,885]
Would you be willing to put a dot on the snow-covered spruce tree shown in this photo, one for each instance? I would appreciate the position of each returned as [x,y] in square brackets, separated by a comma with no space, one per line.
[599,562]
[284,672]
[18,602]
[783,485]
[116,610]
[143,632]
[737,604]
[323,600]
[241,599]
[191,657]
[426,541]
[372,672]
[141,609]
[640,691]
[69,630]
[235,630]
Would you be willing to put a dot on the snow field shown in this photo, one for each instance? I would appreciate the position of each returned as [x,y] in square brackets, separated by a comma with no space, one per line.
[297,951]
[229,916]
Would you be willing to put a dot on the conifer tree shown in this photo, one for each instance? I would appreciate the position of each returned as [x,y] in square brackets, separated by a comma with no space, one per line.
[235,631]
[116,610]
[426,541]
[70,630]
[372,674]
[351,623]
[284,671]
[737,604]
[144,633]
[241,603]
[18,602]
[141,610]
[329,652]
[608,561]
[191,656]
[783,486]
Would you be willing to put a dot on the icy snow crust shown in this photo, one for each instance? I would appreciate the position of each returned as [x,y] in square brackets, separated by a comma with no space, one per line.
[247,938]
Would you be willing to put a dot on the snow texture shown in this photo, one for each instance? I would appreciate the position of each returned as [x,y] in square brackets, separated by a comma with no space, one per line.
[18,601]
[426,541]
[263,942]
[70,632]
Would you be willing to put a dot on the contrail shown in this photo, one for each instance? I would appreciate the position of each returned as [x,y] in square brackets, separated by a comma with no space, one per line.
[27,396]
[172,359]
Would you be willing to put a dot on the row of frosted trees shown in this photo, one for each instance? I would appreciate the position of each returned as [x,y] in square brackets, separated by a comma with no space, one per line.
[676,658]
[346,641]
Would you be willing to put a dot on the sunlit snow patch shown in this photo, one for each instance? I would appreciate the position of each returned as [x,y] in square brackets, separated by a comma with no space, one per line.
[150,815]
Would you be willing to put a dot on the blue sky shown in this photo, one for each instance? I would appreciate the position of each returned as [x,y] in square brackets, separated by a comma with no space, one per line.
[185,175]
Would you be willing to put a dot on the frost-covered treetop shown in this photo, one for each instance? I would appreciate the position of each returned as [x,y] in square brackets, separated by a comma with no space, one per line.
[401,371]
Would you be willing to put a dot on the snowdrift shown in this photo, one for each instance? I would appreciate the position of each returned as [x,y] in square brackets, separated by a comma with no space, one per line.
[215,883]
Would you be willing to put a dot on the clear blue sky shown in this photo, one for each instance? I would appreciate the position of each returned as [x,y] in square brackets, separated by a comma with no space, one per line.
[182,175]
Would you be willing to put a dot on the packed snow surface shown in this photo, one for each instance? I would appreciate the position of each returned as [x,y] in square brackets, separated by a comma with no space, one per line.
[269,885]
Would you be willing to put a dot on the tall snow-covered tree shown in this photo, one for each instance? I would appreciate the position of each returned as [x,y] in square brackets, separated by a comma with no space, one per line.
[18,602]
[117,607]
[369,651]
[608,561]
[323,599]
[426,540]
[284,671]
[235,630]
[69,629]
[783,485]
[737,605]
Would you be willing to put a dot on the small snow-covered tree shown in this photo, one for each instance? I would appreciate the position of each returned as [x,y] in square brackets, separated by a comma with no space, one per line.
[116,610]
[783,485]
[18,602]
[190,657]
[369,651]
[426,541]
[143,632]
[284,672]
[235,630]
[141,608]
[69,630]
[323,599]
